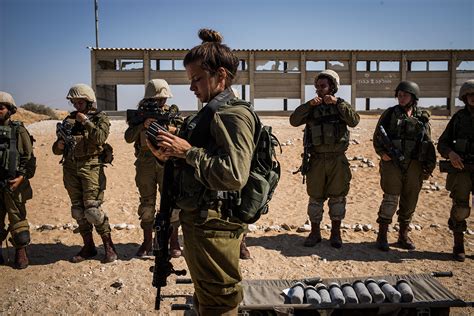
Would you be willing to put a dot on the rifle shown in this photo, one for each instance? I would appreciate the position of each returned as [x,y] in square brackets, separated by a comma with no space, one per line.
[394,152]
[446,166]
[163,267]
[137,117]
[306,155]
[152,133]
[64,132]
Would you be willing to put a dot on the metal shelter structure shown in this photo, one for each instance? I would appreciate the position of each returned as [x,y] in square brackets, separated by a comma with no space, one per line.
[284,74]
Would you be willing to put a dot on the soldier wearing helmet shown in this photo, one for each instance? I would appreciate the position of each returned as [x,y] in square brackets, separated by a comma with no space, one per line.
[457,144]
[17,166]
[149,170]
[83,170]
[326,141]
[401,177]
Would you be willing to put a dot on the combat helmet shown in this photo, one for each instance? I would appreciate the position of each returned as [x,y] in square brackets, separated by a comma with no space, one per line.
[466,88]
[332,75]
[7,99]
[157,88]
[410,87]
[81,91]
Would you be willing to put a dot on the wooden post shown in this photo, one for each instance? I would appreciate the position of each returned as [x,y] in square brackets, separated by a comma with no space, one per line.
[302,77]
[403,67]
[93,70]
[251,76]
[353,82]
[452,96]
[146,66]
[367,100]
[285,101]
[243,86]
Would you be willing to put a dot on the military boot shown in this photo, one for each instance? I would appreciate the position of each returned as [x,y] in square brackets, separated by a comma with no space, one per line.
[21,258]
[109,248]
[175,249]
[244,252]
[314,236]
[335,238]
[87,251]
[145,248]
[382,242]
[458,249]
[403,240]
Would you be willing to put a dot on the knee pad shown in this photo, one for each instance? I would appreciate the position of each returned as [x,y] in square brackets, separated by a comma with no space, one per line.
[20,234]
[315,210]
[459,213]
[77,212]
[337,207]
[146,213]
[389,205]
[21,239]
[93,212]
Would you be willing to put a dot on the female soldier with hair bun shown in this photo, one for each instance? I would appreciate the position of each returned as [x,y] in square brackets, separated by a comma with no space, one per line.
[211,155]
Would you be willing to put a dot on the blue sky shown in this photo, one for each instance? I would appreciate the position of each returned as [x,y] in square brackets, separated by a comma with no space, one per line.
[43,42]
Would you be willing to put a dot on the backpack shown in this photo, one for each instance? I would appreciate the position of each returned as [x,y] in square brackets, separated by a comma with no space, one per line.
[248,204]
[263,178]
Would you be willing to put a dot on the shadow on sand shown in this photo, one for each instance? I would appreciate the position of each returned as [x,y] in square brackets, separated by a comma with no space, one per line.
[44,254]
[291,245]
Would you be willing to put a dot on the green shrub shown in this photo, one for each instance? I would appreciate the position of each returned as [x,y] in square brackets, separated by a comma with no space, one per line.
[40,109]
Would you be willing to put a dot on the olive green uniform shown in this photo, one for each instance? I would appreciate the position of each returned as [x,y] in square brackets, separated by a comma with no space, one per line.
[329,175]
[459,137]
[149,173]
[83,172]
[402,185]
[211,239]
[13,203]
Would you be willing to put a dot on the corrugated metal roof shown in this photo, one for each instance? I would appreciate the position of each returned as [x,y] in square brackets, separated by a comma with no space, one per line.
[284,50]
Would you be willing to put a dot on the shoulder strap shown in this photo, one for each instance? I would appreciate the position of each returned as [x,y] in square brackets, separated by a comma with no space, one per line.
[201,122]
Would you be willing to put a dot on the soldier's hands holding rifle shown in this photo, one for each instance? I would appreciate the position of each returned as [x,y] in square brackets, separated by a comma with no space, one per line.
[170,146]
[456,160]
[81,117]
[15,183]
[60,144]
[148,121]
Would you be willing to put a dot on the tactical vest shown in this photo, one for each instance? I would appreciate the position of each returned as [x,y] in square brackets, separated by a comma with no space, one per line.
[9,155]
[84,147]
[406,132]
[327,127]
[195,129]
[463,138]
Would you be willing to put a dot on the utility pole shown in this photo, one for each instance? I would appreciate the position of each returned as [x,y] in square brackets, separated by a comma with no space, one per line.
[96,7]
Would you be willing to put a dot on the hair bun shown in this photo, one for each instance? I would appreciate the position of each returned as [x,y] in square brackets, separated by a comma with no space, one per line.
[208,35]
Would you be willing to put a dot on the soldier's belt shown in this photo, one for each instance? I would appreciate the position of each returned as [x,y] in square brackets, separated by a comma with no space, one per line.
[84,158]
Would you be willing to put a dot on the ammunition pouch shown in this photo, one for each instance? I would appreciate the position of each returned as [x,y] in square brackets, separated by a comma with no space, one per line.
[107,155]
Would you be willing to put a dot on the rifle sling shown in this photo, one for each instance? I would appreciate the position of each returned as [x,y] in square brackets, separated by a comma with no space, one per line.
[12,162]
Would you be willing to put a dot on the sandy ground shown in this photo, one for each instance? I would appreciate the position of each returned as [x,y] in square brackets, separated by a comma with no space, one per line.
[53,285]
